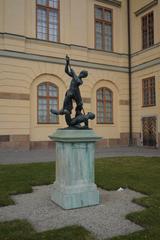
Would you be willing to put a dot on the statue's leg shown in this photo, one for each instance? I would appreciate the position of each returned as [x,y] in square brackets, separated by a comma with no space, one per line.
[68,104]
[56,112]
[68,118]
[79,108]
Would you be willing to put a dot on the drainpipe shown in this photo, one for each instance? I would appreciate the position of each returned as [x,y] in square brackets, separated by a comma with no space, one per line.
[129,74]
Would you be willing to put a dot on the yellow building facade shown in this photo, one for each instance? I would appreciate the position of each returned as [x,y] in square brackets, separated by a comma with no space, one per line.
[103,37]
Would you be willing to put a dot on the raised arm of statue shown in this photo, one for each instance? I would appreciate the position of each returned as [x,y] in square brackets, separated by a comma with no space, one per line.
[68,68]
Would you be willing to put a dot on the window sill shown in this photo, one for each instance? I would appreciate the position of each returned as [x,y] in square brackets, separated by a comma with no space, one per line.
[105,123]
[144,106]
[147,48]
[47,123]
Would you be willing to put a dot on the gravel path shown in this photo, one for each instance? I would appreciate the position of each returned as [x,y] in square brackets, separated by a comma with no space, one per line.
[104,221]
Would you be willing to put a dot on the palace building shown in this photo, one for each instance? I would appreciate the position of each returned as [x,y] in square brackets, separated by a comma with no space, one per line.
[117,42]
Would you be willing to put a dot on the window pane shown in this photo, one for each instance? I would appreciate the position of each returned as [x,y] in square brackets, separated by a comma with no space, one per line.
[104,106]
[42,24]
[103,26]
[42,2]
[53,118]
[53,26]
[107,95]
[98,35]
[53,3]
[149,97]
[42,119]
[42,110]
[99,13]
[53,17]
[148,30]
[108,15]
[42,102]
[53,104]
[108,37]
[42,90]
[47,20]
[99,94]
[47,100]
[52,91]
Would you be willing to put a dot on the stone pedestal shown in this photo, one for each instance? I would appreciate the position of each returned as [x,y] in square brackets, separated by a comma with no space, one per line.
[74,186]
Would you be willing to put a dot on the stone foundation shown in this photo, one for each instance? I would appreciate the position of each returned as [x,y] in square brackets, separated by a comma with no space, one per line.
[15,142]
[42,145]
[124,139]
[22,142]
[137,141]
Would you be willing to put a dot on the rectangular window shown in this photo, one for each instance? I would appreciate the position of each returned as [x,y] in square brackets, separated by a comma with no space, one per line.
[149,96]
[148,30]
[103,28]
[48,20]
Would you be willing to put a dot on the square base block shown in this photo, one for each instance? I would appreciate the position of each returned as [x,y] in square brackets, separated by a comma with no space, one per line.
[75,198]
[74,186]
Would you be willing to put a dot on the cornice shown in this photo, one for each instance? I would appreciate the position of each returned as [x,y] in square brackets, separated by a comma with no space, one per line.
[56,60]
[59,44]
[111,2]
[146,7]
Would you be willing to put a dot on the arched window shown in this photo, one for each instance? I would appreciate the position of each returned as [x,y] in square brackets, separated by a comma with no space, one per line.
[47,99]
[104,106]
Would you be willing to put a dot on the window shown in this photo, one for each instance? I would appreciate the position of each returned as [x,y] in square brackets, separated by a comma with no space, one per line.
[48,20]
[149,98]
[47,99]
[148,30]
[103,28]
[104,106]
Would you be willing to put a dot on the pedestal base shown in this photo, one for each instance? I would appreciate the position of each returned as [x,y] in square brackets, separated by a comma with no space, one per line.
[74,186]
[77,197]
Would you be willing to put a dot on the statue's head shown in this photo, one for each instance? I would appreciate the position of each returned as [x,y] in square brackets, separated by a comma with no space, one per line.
[83,74]
[91,115]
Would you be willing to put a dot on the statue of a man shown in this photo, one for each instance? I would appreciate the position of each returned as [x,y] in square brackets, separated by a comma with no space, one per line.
[73,94]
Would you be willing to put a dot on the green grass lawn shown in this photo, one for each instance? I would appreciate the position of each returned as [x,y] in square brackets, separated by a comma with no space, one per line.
[137,173]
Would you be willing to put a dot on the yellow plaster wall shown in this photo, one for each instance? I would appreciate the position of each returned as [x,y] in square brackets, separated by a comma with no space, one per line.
[14,117]
[22,76]
[14,16]
[140,57]
[1,15]
[136,23]
[76,21]
[138,110]
[76,28]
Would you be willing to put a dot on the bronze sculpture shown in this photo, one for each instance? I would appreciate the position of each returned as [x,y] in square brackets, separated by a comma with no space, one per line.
[73,94]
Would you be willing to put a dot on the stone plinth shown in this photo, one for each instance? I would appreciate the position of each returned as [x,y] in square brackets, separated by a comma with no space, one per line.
[74,186]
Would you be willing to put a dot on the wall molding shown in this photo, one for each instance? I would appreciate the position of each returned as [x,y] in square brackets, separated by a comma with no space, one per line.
[57,44]
[84,64]
[111,2]
[146,7]
[14,96]
[156,45]
[124,102]
[86,100]
[33,57]
[145,65]
[55,60]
